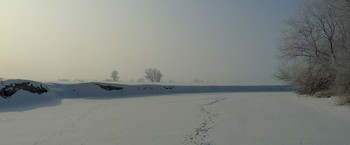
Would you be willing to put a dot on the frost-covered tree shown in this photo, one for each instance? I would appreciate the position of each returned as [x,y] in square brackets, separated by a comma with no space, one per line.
[315,48]
[115,76]
[153,75]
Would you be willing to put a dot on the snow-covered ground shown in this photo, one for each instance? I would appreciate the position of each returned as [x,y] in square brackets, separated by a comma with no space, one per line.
[110,114]
[207,118]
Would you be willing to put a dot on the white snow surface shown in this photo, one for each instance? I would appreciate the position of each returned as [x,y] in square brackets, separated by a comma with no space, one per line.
[62,117]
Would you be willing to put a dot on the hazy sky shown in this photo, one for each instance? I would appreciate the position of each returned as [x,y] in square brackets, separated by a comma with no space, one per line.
[225,41]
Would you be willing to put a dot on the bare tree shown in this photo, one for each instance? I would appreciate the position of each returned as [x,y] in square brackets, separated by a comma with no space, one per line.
[115,76]
[315,47]
[153,75]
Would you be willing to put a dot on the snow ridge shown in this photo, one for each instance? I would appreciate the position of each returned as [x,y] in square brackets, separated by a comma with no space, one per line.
[97,89]
[31,94]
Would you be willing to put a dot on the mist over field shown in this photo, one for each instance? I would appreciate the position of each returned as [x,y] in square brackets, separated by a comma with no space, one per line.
[228,42]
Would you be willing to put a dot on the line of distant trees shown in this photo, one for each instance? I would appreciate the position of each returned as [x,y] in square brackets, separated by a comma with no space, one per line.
[152,75]
[315,50]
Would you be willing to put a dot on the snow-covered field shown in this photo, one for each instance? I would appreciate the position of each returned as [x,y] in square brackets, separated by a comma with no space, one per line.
[37,113]
[183,119]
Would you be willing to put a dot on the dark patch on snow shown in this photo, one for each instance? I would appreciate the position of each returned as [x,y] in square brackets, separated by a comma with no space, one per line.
[109,88]
[169,87]
[11,89]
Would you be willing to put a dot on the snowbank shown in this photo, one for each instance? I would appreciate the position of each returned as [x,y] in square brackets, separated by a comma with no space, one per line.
[17,93]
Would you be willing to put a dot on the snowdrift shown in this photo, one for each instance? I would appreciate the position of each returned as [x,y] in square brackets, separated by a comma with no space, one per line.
[19,93]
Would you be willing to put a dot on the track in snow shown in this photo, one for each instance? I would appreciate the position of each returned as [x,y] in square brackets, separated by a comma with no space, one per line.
[201,134]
